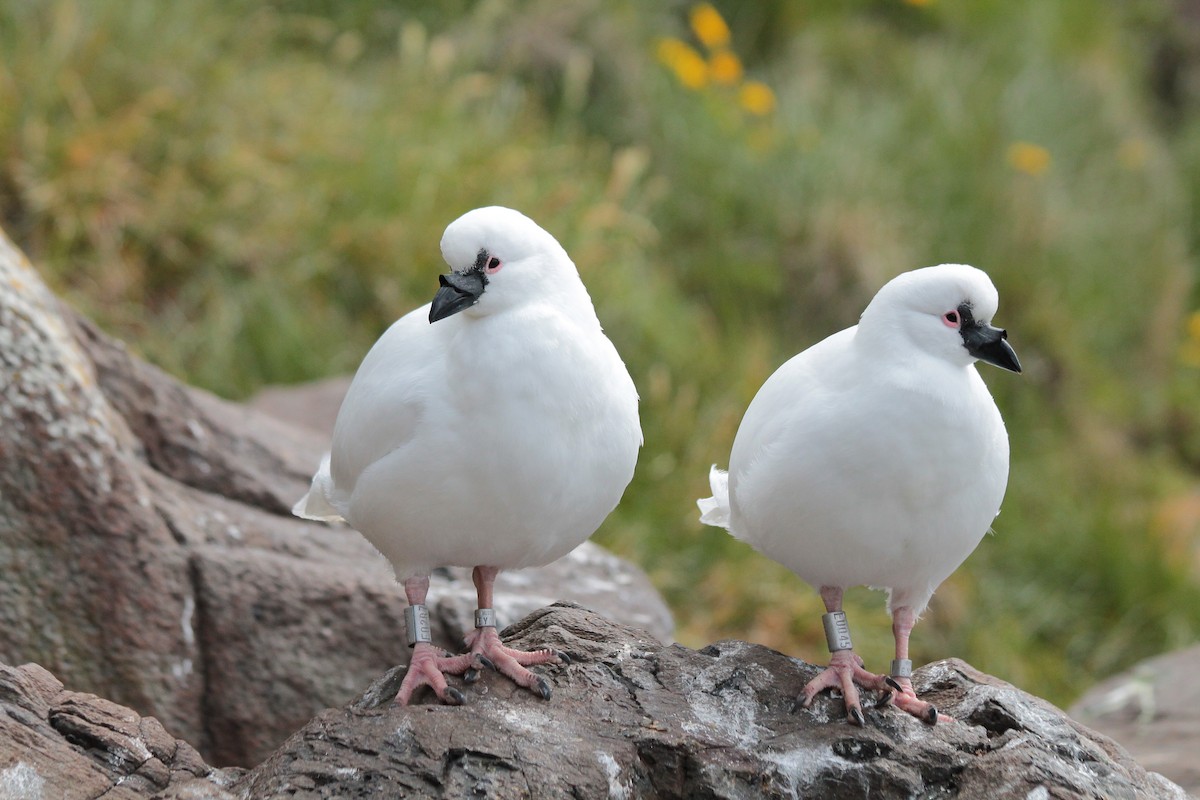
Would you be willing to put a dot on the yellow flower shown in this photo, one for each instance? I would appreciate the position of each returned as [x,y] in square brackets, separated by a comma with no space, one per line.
[1193,326]
[1032,159]
[689,66]
[725,68]
[709,26]
[757,98]
[668,49]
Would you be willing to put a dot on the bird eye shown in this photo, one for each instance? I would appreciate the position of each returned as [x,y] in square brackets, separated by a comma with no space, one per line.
[493,265]
[951,319]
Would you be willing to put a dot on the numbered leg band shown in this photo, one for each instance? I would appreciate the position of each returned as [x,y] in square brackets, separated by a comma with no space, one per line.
[416,624]
[837,631]
[485,618]
[901,668]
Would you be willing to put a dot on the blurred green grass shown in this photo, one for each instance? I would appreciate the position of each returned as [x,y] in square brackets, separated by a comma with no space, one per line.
[248,193]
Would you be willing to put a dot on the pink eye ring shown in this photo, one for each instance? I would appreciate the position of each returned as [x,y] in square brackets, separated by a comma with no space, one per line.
[951,319]
[493,266]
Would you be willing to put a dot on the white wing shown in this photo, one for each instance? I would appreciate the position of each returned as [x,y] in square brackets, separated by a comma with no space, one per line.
[387,399]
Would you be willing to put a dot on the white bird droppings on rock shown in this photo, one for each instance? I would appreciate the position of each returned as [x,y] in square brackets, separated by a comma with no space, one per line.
[618,788]
[21,782]
[723,701]
[189,610]
[801,766]
[181,669]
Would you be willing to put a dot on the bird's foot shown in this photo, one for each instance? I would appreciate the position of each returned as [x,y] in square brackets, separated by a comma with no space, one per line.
[845,672]
[429,667]
[904,697]
[485,644]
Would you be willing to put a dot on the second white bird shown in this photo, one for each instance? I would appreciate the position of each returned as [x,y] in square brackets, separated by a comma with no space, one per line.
[877,457]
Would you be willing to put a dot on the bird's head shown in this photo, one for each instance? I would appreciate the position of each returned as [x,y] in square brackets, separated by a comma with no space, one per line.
[946,311]
[499,258]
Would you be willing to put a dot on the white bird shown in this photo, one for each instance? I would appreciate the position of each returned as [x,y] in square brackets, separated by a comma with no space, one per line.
[876,457]
[493,428]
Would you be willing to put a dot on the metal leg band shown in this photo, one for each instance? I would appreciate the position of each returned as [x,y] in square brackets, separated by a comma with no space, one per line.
[485,618]
[837,631]
[416,624]
[901,668]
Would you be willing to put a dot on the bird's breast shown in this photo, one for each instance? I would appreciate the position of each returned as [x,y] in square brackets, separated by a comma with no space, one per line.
[897,482]
[528,436]
[553,420]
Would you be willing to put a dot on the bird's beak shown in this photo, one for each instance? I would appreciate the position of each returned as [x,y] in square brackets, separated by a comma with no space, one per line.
[459,290]
[991,345]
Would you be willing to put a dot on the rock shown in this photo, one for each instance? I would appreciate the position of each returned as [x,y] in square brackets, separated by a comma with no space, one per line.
[631,717]
[1153,710]
[59,743]
[94,584]
[313,406]
[148,554]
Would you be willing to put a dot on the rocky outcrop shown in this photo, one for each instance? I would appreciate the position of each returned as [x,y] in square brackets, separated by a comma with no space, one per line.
[632,717]
[147,552]
[56,743]
[310,406]
[1153,710]
[629,717]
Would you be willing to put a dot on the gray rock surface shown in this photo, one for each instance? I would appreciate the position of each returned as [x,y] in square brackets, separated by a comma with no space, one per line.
[312,406]
[56,743]
[148,554]
[1153,710]
[631,717]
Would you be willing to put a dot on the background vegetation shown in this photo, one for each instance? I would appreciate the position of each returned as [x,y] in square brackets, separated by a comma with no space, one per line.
[249,192]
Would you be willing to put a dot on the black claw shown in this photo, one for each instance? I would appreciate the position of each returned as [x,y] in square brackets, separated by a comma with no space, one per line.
[884,701]
[541,687]
[856,716]
[470,676]
[454,697]
[892,682]
[563,658]
[486,662]
[931,716]
[802,702]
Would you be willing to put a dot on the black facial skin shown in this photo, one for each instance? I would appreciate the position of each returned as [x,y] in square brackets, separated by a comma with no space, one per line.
[459,290]
[986,342]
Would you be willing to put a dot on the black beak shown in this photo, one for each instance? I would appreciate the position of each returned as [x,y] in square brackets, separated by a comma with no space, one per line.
[991,345]
[459,290]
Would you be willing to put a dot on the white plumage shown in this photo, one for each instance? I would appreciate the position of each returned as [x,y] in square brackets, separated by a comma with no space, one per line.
[499,434]
[877,457]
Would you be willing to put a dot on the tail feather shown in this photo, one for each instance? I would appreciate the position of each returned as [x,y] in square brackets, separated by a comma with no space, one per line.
[715,510]
[315,504]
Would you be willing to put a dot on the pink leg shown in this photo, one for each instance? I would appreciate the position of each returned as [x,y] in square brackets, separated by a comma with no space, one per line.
[485,643]
[905,697]
[429,664]
[845,670]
